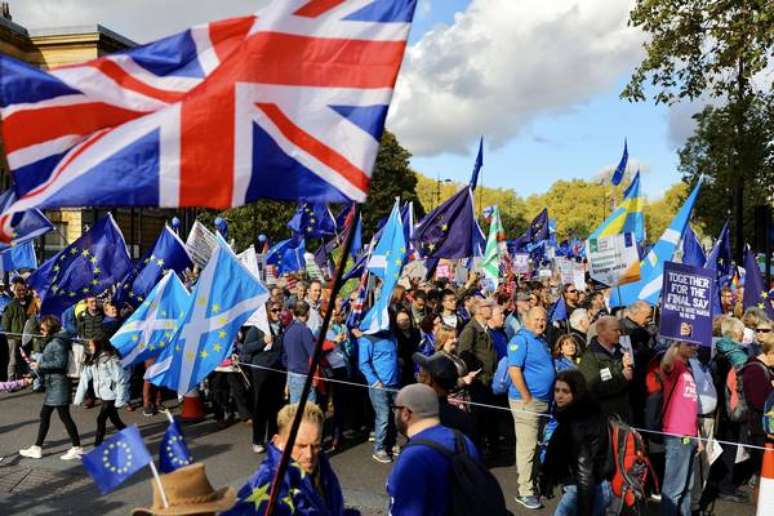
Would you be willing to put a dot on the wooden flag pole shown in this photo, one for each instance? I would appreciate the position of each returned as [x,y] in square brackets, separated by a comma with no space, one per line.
[337,284]
[158,483]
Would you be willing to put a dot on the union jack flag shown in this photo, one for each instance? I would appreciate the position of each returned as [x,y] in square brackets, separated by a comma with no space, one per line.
[287,104]
[358,306]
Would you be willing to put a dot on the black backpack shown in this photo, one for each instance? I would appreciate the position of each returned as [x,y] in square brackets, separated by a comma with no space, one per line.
[473,490]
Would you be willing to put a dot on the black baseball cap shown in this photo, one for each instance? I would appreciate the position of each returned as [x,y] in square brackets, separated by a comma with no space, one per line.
[440,367]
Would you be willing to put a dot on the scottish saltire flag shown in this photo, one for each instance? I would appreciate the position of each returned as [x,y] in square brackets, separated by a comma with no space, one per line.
[173,452]
[225,296]
[313,220]
[287,255]
[18,257]
[755,293]
[477,165]
[693,253]
[621,168]
[116,459]
[23,226]
[628,217]
[386,263]
[152,326]
[296,97]
[495,249]
[648,288]
[450,231]
[167,254]
[90,266]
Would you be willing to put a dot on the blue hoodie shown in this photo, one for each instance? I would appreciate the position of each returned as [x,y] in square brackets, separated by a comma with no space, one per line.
[378,359]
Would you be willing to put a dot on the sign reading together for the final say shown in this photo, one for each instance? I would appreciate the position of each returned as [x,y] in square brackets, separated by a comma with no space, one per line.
[686,303]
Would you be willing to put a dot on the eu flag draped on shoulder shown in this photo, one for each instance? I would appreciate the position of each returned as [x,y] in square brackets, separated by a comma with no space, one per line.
[755,294]
[288,127]
[168,253]
[173,452]
[648,288]
[386,263]
[621,168]
[152,326]
[225,296]
[88,267]
[628,217]
[24,226]
[449,231]
[118,458]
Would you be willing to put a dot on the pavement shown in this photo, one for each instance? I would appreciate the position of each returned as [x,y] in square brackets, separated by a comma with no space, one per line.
[51,486]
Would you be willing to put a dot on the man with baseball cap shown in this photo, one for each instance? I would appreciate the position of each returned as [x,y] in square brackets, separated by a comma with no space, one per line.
[420,482]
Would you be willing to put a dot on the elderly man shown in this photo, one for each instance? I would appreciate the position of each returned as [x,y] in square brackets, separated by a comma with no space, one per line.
[636,324]
[608,370]
[309,486]
[579,327]
[531,369]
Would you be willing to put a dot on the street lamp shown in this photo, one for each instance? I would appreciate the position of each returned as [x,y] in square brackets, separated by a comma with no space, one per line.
[438,188]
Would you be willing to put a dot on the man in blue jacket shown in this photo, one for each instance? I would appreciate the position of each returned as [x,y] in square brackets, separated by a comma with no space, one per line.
[297,350]
[378,361]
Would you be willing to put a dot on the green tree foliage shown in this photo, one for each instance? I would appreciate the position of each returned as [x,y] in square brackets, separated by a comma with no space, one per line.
[719,49]
[710,152]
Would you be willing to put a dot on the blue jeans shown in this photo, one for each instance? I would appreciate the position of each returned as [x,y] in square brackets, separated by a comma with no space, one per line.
[385,433]
[296,386]
[678,476]
[568,505]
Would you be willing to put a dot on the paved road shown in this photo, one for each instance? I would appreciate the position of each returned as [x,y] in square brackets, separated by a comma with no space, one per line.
[53,486]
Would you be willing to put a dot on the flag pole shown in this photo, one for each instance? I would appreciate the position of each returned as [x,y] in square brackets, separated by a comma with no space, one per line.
[158,483]
[337,284]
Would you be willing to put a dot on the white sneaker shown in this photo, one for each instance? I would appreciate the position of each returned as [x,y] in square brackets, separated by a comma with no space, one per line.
[258,448]
[73,453]
[33,452]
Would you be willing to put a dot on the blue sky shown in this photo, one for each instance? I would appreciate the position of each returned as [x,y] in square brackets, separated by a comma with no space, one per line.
[576,140]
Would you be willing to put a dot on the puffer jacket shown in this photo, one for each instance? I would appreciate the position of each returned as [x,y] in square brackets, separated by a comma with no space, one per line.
[579,453]
[111,381]
[53,366]
[732,351]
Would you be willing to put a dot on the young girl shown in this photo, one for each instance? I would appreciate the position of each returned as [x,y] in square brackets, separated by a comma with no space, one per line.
[111,381]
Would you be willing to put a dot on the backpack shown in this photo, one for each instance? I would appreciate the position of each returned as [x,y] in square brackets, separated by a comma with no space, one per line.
[473,490]
[632,466]
[501,381]
[737,408]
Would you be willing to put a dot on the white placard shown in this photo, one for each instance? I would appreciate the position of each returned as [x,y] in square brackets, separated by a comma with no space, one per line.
[201,243]
[613,260]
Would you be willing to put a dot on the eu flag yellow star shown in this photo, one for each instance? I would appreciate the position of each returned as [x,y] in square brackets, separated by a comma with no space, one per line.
[203,354]
[259,494]
[217,347]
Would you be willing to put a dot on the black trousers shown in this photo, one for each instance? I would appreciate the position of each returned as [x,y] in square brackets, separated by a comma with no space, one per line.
[64,416]
[268,389]
[107,411]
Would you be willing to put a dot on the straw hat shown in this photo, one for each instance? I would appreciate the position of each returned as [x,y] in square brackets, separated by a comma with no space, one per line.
[188,492]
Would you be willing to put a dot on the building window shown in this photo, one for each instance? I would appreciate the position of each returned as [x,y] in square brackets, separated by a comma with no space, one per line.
[54,241]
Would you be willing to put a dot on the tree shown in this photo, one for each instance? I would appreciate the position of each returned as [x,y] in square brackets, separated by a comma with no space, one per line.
[709,48]
[709,152]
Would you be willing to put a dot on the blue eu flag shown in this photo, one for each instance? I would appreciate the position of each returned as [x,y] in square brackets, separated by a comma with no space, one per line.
[621,168]
[90,266]
[313,220]
[173,452]
[449,231]
[18,257]
[287,255]
[117,459]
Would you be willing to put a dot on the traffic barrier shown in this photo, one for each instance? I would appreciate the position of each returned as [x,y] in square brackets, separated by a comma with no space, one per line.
[766,483]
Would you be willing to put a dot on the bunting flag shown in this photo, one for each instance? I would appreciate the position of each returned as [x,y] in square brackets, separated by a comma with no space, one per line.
[477,165]
[693,253]
[450,231]
[386,263]
[628,217]
[755,294]
[152,326]
[90,266]
[648,288]
[621,168]
[495,249]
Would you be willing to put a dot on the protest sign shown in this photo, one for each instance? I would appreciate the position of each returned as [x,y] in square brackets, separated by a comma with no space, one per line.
[686,307]
[565,268]
[579,279]
[613,260]
[443,270]
[201,243]
[520,263]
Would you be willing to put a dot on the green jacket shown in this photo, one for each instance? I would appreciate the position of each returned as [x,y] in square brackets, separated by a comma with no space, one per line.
[604,375]
[14,318]
[89,325]
[475,341]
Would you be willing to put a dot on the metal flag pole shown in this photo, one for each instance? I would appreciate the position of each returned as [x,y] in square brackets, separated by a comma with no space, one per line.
[337,284]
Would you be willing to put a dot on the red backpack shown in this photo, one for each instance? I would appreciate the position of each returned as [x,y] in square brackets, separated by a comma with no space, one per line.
[632,466]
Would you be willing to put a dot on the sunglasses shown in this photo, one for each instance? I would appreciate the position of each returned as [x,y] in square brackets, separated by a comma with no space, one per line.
[275,310]
[762,330]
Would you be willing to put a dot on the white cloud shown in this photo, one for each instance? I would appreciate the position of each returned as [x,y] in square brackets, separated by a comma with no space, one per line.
[501,63]
[139,20]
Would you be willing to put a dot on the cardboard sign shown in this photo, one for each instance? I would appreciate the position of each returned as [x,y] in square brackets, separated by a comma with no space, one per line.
[686,303]
[613,260]
[520,263]
[201,243]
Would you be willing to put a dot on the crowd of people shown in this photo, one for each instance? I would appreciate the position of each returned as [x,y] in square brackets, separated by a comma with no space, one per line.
[488,376]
